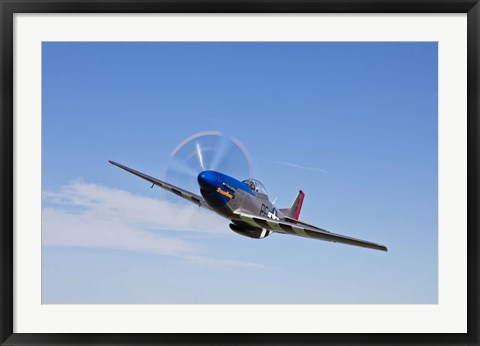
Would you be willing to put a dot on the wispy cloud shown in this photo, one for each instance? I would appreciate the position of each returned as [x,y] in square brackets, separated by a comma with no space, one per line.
[294,165]
[96,216]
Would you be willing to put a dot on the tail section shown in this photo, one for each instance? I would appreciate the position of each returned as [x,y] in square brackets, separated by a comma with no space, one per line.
[294,210]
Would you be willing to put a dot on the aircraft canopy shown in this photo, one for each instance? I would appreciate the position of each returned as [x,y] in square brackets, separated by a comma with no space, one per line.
[258,185]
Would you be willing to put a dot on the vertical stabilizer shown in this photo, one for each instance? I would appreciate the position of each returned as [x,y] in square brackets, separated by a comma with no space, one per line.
[294,210]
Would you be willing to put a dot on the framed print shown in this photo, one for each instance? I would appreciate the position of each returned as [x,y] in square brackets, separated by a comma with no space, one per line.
[239,173]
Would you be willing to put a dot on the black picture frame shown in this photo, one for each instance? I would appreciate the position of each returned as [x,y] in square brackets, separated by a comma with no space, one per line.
[9,7]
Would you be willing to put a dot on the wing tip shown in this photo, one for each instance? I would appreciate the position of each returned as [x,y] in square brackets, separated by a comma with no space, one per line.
[116,164]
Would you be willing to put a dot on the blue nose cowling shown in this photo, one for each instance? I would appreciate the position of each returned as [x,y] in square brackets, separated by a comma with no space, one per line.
[207,180]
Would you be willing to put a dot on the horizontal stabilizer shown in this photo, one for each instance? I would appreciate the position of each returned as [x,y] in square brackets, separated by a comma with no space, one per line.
[289,219]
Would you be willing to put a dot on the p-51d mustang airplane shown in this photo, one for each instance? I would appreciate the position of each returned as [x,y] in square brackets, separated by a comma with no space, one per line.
[246,205]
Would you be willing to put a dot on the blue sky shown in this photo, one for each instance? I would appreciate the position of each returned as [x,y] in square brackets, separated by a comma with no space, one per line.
[354,125]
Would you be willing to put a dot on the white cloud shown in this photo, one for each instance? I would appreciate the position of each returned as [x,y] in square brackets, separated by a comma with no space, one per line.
[294,165]
[96,216]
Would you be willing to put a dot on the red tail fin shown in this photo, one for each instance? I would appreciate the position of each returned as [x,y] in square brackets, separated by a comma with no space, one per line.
[297,204]
[294,210]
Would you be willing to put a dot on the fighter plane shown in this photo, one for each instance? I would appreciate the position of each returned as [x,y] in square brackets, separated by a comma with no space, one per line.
[246,204]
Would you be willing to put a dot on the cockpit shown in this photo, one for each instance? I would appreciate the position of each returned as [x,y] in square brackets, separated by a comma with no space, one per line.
[257,187]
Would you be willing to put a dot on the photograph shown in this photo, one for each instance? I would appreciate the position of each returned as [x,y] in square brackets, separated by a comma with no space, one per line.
[239,172]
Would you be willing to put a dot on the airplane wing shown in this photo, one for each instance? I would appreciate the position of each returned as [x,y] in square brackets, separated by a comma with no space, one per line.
[295,221]
[304,230]
[189,196]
